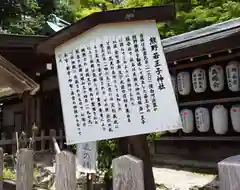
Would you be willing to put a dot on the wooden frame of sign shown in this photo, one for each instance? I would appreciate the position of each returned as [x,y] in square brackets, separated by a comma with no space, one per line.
[135,145]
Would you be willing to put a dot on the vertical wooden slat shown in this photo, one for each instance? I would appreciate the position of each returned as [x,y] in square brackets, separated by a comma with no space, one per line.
[38,111]
[3,136]
[65,171]
[90,181]
[61,139]
[34,134]
[128,173]
[29,112]
[52,134]
[25,140]
[32,112]
[42,140]
[26,122]
[25,170]
[14,143]
[55,145]
[1,168]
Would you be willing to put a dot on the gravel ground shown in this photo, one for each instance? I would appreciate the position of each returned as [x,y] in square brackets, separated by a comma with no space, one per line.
[183,180]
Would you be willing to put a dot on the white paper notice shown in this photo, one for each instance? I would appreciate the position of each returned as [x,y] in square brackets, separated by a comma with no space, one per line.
[87,157]
[114,82]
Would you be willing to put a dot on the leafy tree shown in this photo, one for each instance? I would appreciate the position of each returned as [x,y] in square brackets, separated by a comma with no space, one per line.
[65,11]
[22,18]
[107,151]
[10,10]
[201,15]
[29,16]
[87,7]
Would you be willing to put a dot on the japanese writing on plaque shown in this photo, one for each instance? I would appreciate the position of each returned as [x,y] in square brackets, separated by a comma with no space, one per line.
[155,51]
[104,81]
[86,157]
[114,82]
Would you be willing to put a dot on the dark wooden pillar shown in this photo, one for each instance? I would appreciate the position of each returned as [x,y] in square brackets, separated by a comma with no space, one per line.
[29,113]
[123,146]
[38,111]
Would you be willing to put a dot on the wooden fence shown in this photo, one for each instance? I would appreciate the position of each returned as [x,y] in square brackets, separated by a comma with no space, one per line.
[127,171]
[39,141]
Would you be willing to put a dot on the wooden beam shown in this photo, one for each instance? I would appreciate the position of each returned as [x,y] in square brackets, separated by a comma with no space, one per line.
[206,62]
[212,101]
[218,45]
[19,41]
[204,138]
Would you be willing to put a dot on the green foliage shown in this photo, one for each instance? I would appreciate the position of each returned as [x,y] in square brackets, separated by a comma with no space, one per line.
[29,18]
[9,174]
[10,10]
[27,25]
[83,12]
[19,18]
[201,15]
[107,151]
[154,136]
[65,11]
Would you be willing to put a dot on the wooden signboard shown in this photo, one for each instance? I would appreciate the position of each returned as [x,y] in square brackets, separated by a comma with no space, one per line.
[114,82]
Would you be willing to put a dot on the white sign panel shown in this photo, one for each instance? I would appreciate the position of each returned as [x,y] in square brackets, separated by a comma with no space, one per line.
[114,82]
[87,157]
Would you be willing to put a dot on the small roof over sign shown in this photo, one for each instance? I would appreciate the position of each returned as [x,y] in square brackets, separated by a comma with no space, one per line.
[158,13]
[13,80]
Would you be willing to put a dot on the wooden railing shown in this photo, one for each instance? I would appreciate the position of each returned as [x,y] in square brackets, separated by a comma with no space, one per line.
[44,142]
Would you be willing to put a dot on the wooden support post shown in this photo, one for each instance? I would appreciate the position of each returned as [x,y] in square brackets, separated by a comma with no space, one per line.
[29,112]
[128,173]
[3,136]
[42,140]
[34,134]
[61,139]
[123,145]
[89,181]
[138,147]
[25,140]
[65,171]
[26,121]
[25,170]
[55,145]
[52,134]
[14,143]
[1,168]
[38,111]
